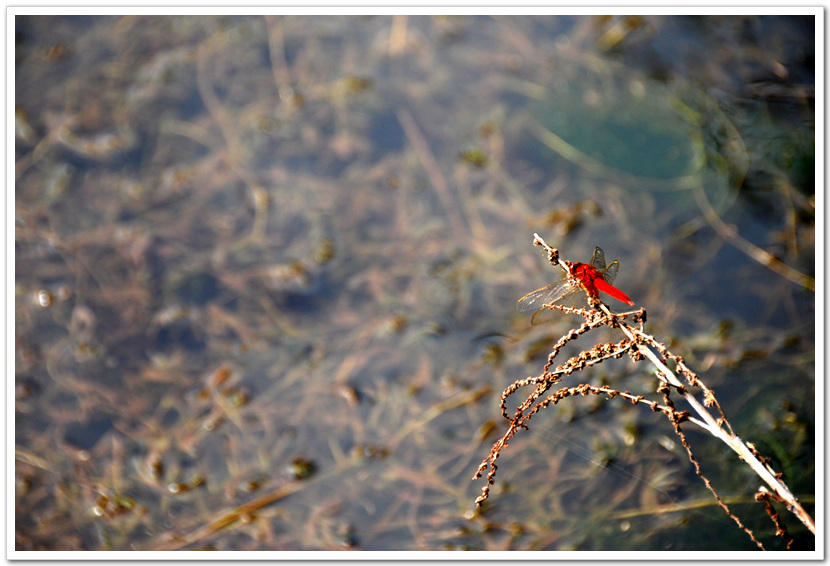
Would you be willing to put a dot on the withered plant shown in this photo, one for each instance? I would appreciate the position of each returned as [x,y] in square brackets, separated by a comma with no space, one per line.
[705,412]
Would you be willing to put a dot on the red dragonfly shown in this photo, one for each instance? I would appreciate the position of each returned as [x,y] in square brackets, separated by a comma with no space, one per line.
[571,292]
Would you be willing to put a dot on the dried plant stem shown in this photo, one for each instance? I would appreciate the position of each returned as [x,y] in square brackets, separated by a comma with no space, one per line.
[716,429]
[639,346]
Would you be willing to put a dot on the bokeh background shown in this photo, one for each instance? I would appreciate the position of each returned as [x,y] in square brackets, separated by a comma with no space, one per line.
[266,271]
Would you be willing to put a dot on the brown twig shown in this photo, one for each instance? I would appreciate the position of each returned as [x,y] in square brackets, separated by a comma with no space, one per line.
[639,346]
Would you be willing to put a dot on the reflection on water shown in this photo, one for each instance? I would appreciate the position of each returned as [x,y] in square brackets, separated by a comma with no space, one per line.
[265,271]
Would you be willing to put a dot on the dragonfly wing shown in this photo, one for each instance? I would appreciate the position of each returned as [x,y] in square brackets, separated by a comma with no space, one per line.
[574,296]
[598,259]
[578,298]
[610,272]
[537,298]
[543,315]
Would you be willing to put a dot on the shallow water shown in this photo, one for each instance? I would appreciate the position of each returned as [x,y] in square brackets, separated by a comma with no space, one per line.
[266,269]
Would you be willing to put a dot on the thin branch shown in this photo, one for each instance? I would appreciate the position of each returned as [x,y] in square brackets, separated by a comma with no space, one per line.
[639,346]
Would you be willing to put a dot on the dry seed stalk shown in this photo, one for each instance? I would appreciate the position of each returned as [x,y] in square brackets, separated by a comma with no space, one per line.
[639,346]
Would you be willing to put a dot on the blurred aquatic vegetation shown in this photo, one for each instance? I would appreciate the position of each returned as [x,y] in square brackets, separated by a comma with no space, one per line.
[648,136]
[264,270]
